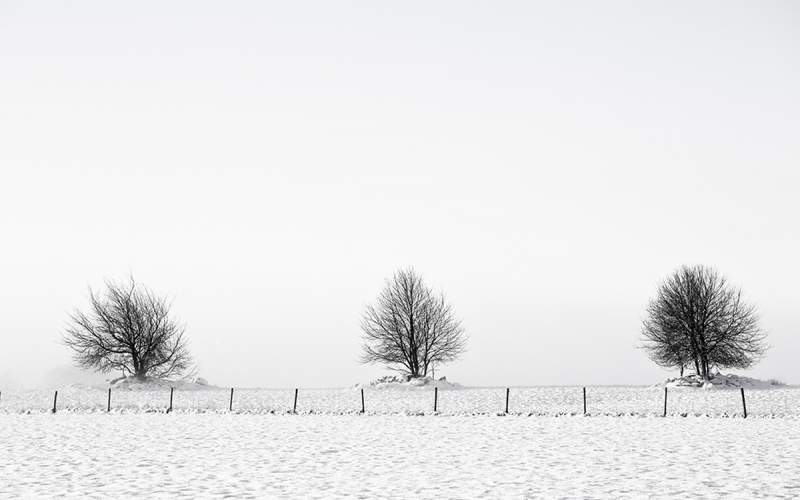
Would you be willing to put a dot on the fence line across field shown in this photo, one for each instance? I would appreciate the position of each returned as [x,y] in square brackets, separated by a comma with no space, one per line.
[170,408]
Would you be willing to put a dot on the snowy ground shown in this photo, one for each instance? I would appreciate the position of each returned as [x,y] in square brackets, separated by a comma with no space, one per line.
[647,401]
[395,456]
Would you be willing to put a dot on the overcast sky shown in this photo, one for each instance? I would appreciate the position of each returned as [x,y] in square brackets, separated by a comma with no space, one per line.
[268,164]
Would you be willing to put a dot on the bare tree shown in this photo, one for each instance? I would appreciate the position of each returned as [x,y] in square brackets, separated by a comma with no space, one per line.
[409,328]
[128,329]
[698,319]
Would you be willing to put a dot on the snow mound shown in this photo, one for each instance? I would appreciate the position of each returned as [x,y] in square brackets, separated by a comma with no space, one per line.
[406,383]
[720,381]
[155,384]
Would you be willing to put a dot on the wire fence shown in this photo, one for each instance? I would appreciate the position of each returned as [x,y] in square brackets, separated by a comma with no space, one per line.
[552,401]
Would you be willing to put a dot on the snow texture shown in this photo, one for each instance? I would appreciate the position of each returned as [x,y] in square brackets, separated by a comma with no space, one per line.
[187,455]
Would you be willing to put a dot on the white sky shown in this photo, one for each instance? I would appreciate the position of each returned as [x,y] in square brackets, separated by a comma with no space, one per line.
[268,164]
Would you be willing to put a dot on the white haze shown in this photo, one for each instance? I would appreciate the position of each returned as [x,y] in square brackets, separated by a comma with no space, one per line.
[267,165]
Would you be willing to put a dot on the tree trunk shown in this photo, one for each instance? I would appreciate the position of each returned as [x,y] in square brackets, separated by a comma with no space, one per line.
[704,366]
[413,368]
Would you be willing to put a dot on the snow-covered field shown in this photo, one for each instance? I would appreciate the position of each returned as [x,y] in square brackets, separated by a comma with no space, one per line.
[647,401]
[400,448]
[395,456]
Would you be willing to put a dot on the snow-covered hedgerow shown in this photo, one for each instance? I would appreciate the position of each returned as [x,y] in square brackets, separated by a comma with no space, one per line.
[400,382]
[155,384]
[720,381]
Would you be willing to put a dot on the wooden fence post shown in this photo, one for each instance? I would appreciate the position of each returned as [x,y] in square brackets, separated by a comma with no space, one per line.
[363,409]
[171,390]
[584,400]
[108,406]
[744,405]
[230,406]
[665,401]
[55,399]
[507,391]
[435,399]
[294,408]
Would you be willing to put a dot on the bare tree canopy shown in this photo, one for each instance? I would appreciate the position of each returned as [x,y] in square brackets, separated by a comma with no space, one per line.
[128,329]
[698,319]
[410,328]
